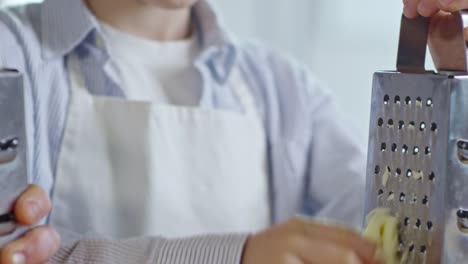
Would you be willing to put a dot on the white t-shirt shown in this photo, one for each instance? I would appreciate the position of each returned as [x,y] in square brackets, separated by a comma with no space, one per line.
[159,72]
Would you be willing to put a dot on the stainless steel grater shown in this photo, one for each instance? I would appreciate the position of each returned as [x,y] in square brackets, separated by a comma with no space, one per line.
[418,144]
[13,156]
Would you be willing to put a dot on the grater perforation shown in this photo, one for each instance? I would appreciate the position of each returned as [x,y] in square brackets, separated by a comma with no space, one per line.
[409,182]
[418,145]
[13,151]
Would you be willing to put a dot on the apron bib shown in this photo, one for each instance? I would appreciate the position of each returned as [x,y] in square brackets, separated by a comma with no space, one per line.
[130,168]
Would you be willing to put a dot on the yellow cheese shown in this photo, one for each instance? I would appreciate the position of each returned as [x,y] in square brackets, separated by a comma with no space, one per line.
[382,229]
[418,175]
[385,176]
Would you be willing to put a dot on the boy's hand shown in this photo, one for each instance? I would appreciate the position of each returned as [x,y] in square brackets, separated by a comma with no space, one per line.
[300,241]
[428,8]
[40,243]
[445,41]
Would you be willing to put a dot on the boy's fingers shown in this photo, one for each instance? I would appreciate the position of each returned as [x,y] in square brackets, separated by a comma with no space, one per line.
[33,205]
[453,5]
[37,246]
[411,8]
[428,8]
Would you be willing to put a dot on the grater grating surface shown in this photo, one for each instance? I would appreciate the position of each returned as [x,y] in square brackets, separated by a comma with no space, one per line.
[13,151]
[407,138]
[418,143]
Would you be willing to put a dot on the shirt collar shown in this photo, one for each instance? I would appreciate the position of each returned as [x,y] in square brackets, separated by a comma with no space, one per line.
[67,23]
[219,49]
[209,26]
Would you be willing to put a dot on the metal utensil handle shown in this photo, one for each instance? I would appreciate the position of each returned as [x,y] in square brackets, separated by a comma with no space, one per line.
[413,44]
[447,32]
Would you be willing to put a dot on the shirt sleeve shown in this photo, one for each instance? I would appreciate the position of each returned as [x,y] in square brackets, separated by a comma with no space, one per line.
[77,249]
[226,249]
[318,157]
[11,51]
[337,160]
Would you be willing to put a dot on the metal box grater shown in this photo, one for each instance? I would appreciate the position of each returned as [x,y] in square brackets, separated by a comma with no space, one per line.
[13,155]
[418,146]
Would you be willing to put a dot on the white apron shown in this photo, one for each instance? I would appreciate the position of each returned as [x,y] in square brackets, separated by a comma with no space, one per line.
[130,168]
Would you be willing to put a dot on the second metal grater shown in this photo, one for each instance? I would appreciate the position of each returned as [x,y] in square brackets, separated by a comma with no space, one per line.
[418,145]
[13,151]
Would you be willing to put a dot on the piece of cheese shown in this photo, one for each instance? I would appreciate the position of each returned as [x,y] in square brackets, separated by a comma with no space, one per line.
[382,229]
[418,175]
[385,176]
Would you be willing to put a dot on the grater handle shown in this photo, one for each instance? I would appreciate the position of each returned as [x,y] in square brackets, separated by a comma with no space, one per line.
[445,36]
[413,44]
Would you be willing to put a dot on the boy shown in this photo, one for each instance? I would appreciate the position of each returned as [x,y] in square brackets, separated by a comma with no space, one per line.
[148,119]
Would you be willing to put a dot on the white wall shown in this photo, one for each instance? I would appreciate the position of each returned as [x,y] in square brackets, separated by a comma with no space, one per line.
[15,2]
[343,41]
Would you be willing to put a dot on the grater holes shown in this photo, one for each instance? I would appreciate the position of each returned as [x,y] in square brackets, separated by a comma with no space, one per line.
[406,221]
[409,173]
[429,225]
[425,200]
[415,150]
[408,100]
[429,102]
[419,102]
[401,124]
[380,193]
[383,147]
[397,100]
[401,245]
[386,99]
[423,249]
[411,125]
[404,149]
[9,144]
[411,248]
[422,126]
[380,122]
[391,196]
[377,169]
[434,127]
[432,176]
[394,147]
[427,151]
[462,221]
[390,123]
[417,225]
[462,145]
[398,171]
[402,197]
[414,199]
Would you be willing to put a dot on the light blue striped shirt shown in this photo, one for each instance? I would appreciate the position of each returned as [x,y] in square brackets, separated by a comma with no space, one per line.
[316,162]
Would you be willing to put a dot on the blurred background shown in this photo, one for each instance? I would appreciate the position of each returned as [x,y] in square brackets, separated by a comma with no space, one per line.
[342,41]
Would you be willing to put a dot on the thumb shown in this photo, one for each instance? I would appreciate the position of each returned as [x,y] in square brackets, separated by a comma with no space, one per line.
[453,5]
[33,205]
[37,246]
[446,42]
